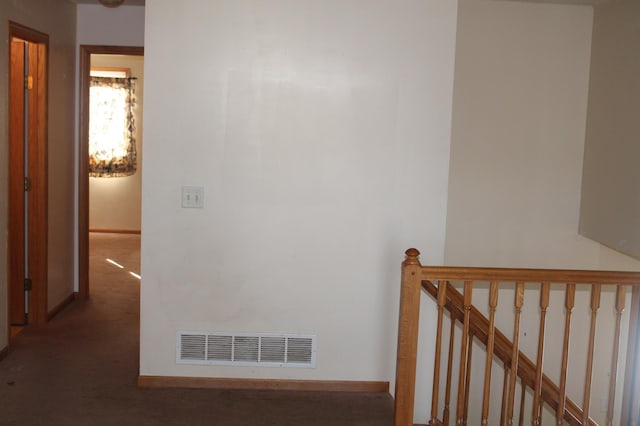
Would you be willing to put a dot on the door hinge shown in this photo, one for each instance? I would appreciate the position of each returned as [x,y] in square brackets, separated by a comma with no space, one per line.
[27,184]
[28,284]
[28,82]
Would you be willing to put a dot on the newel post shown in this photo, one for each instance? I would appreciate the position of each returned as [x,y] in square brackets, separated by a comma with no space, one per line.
[407,339]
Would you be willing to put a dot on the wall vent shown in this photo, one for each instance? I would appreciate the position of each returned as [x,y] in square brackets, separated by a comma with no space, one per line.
[244,349]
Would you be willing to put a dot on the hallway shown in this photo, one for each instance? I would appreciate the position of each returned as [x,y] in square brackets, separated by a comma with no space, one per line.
[81,369]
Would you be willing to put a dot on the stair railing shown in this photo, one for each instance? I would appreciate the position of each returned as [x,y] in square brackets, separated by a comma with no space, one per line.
[475,326]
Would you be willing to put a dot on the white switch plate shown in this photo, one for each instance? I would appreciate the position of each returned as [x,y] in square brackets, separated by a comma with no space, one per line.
[192,197]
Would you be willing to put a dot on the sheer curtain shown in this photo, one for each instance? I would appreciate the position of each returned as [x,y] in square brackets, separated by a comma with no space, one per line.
[112,145]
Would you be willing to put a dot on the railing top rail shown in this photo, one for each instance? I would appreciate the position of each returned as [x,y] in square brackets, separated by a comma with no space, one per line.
[561,276]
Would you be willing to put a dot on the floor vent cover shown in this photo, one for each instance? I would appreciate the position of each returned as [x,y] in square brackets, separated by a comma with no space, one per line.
[241,349]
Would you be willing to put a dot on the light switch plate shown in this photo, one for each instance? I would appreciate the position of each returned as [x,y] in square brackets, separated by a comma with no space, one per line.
[192,197]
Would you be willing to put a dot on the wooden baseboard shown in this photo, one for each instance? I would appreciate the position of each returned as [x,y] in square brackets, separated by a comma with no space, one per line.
[262,384]
[3,353]
[116,231]
[66,302]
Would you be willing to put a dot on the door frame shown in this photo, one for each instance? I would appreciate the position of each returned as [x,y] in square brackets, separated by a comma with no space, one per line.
[38,174]
[86,51]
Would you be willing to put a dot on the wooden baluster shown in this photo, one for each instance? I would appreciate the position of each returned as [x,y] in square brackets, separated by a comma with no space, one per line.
[447,397]
[537,390]
[493,302]
[519,301]
[629,415]
[467,390]
[635,403]
[505,394]
[620,300]
[523,394]
[569,302]
[442,297]
[595,305]
[407,339]
[468,288]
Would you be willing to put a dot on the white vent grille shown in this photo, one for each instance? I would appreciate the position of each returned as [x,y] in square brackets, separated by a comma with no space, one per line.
[299,350]
[192,346]
[241,349]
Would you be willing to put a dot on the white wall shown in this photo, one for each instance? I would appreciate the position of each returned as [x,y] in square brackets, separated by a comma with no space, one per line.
[320,131]
[120,26]
[520,101]
[610,197]
[58,21]
[115,203]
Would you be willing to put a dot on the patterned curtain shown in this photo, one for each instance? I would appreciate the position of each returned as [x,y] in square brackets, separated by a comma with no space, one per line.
[112,145]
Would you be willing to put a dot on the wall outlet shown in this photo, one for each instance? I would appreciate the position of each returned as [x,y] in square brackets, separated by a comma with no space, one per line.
[192,197]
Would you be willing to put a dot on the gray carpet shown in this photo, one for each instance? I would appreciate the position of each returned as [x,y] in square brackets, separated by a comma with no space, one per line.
[81,369]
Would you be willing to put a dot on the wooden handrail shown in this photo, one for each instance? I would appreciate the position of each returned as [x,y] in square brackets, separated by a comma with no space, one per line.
[435,273]
[479,325]
[476,326]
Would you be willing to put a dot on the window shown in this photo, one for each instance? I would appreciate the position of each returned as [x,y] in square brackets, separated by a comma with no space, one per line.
[112,145]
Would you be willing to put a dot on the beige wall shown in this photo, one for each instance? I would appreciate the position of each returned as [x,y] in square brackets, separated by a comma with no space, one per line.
[119,26]
[320,132]
[520,105]
[114,203]
[520,102]
[57,19]
[610,211]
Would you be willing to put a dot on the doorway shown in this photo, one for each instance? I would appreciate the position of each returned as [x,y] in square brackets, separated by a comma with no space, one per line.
[86,53]
[28,211]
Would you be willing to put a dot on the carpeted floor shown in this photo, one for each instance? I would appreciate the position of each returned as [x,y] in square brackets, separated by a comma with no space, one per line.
[81,369]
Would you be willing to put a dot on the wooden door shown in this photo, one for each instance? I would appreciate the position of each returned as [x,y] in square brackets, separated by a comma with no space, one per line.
[28,209]
[17,309]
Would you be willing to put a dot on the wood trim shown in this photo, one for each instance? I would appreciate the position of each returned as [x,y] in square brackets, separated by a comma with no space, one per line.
[83,175]
[83,154]
[115,231]
[126,71]
[435,273]
[25,33]
[3,353]
[60,307]
[406,359]
[262,384]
